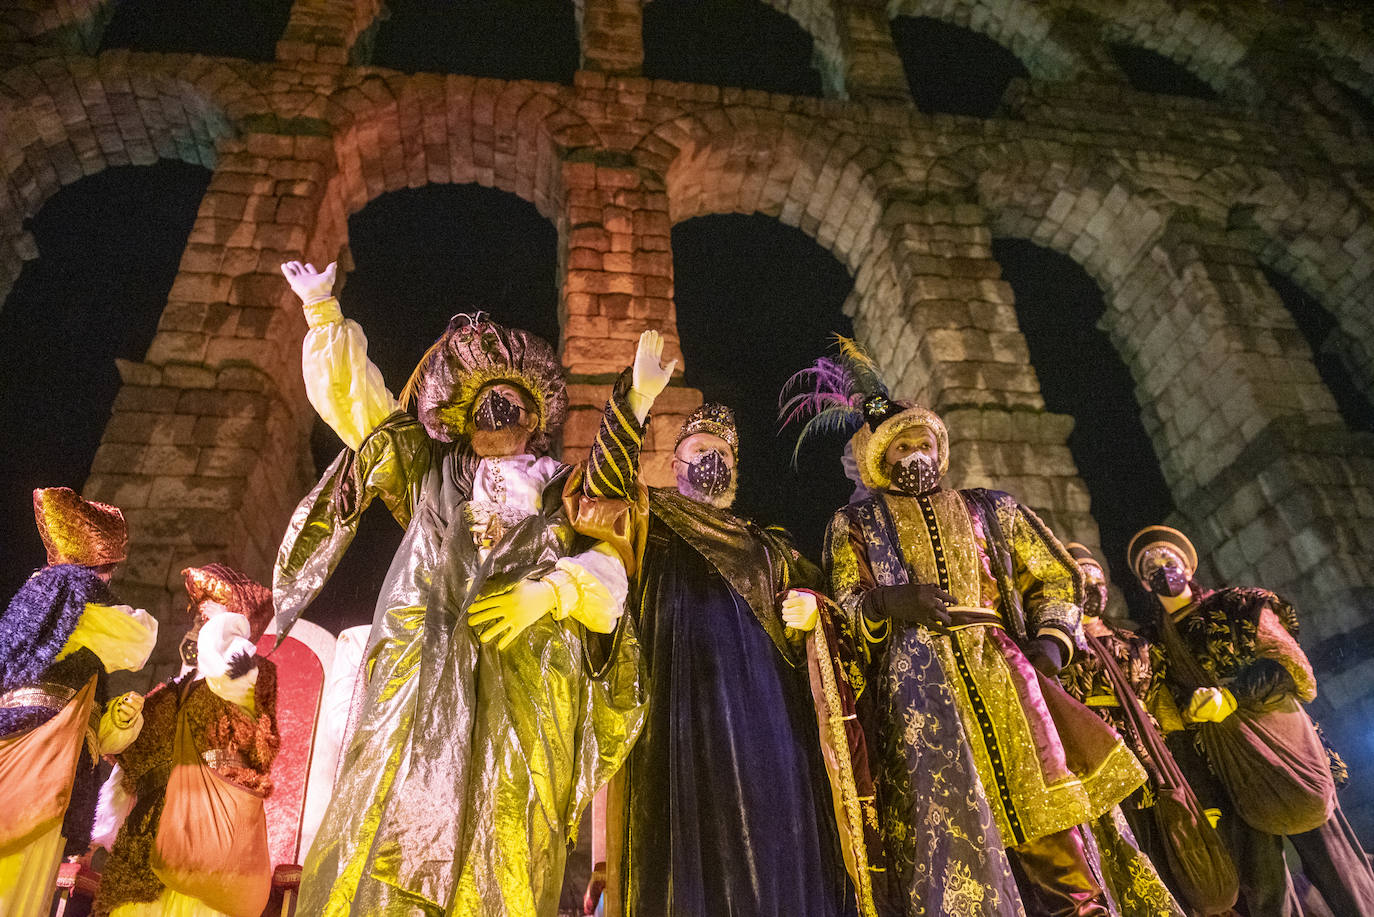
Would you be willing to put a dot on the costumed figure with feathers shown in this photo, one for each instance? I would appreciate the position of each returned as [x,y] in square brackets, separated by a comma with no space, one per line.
[61,636]
[501,684]
[182,813]
[958,606]
[1232,662]
[722,807]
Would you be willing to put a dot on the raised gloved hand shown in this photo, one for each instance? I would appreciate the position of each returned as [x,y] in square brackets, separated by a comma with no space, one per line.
[1263,683]
[800,611]
[650,377]
[507,614]
[1047,655]
[310,285]
[1209,705]
[913,603]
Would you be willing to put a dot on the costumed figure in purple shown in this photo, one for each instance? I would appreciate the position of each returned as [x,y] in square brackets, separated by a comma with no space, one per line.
[1233,664]
[186,797]
[960,595]
[722,807]
[61,636]
[1160,836]
[502,687]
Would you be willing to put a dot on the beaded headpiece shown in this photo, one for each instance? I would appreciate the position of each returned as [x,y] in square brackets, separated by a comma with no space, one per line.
[714,418]
[233,590]
[473,353]
[79,531]
[1155,535]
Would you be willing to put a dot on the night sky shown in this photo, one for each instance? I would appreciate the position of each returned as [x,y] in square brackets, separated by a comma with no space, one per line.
[756,300]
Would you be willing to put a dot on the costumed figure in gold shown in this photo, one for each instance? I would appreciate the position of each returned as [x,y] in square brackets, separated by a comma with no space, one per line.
[1232,662]
[722,807]
[501,688]
[1160,835]
[966,592]
[60,637]
[186,797]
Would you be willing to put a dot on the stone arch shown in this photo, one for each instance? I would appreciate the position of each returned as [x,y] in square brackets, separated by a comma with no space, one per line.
[1315,231]
[393,131]
[740,159]
[1024,27]
[817,19]
[1209,47]
[64,118]
[75,24]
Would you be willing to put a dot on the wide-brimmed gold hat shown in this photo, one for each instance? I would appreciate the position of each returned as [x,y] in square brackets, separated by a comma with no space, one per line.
[1153,535]
[870,444]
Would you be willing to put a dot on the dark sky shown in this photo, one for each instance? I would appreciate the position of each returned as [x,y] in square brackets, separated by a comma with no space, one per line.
[756,300]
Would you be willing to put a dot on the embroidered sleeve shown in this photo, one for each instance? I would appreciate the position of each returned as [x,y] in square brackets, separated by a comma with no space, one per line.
[613,467]
[1049,581]
[1273,641]
[850,577]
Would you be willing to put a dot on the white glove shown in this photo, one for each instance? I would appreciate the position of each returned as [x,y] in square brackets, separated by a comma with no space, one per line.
[310,285]
[649,374]
[221,640]
[800,611]
[1209,705]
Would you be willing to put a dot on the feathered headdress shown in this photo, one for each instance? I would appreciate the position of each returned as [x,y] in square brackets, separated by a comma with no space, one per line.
[846,394]
[840,394]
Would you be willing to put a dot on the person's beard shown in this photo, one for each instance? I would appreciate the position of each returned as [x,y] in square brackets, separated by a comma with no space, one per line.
[501,443]
[723,500]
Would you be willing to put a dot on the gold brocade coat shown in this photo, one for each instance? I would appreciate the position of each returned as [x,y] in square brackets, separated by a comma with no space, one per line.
[462,781]
[1046,762]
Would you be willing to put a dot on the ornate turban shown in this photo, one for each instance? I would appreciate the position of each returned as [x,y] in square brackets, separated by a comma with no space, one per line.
[79,531]
[233,590]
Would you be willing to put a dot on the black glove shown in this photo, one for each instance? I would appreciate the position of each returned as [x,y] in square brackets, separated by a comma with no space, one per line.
[911,603]
[1262,683]
[1047,655]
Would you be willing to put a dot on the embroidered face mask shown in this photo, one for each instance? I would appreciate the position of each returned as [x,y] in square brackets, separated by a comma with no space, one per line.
[1168,581]
[708,474]
[914,475]
[496,412]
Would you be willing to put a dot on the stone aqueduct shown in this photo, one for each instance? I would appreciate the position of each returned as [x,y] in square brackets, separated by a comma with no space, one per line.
[1173,205]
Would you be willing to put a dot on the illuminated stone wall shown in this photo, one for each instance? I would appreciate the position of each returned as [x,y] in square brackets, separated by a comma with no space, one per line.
[1171,204]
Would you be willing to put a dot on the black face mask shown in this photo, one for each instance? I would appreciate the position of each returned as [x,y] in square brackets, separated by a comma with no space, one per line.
[915,475]
[496,412]
[708,474]
[1168,581]
[1094,599]
[189,650]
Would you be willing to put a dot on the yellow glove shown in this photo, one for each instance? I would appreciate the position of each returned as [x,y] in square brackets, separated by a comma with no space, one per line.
[1209,705]
[800,611]
[510,612]
[124,710]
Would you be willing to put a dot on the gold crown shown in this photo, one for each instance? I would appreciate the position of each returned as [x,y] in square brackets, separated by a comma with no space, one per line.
[714,418]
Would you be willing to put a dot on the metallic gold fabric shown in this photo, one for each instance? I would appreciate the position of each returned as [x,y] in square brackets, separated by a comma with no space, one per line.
[79,531]
[469,766]
[1131,879]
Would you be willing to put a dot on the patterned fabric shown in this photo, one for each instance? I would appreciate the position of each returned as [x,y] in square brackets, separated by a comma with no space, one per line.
[1131,879]
[612,468]
[944,851]
[79,531]
[1087,682]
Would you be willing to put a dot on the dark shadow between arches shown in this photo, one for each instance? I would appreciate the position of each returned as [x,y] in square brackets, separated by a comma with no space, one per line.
[246,29]
[1081,374]
[529,40]
[421,255]
[728,43]
[757,301]
[953,70]
[1150,71]
[95,293]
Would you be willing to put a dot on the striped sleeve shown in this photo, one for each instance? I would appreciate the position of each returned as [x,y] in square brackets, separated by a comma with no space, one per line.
[613,468]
